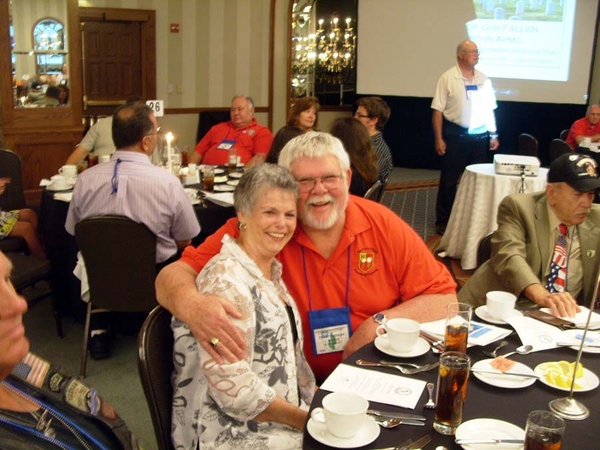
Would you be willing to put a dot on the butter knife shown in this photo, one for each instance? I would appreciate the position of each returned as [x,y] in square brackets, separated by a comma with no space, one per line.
[497,372]
[395,415]
[489,441]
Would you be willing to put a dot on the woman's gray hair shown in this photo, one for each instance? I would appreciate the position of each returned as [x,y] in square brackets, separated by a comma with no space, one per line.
[314,144]
[256,180]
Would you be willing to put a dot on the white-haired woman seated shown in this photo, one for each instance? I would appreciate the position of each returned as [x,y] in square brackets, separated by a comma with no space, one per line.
[260,402]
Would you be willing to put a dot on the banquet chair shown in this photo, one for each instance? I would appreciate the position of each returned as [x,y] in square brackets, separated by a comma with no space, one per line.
[558,147]
[564,133]
[119,256]
[29,270]
[155,365]
[527,145]
[484,249]
[376,191]
[13,197]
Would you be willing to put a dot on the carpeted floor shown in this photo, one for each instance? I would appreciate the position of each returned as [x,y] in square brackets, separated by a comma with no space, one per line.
[414,201]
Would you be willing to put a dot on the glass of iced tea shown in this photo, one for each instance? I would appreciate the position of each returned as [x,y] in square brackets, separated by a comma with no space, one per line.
[544,431]
[208,179]
[458,321]
[453,376]
[233,160]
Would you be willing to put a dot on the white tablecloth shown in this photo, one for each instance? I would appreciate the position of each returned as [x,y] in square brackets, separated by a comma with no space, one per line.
[475,209]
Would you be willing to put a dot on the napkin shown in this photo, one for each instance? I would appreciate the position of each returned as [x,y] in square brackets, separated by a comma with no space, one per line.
[45,182]
[222,199]
[64,196]
[581,318]
[479,334]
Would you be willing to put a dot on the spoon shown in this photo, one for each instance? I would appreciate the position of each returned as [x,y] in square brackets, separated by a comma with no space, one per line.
[522,350]
[494,352]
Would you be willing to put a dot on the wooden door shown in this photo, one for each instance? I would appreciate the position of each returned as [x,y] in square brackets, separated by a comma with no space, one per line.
[119,47]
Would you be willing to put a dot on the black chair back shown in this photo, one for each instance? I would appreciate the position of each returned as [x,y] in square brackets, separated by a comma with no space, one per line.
[527,145]
[155,364]
[484,249]
[376,191]
[563,134]
[120,260]
[558,147]
[12,167]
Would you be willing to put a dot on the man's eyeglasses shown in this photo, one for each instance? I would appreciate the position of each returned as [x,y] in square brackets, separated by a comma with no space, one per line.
[361,116]
[329,181]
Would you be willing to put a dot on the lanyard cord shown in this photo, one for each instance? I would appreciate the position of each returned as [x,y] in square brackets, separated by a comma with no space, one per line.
[308,284]
[71,426]
[114,181]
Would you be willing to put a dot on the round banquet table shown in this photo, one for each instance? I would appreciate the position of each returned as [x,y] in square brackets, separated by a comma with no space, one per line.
[475,209]
[483,400]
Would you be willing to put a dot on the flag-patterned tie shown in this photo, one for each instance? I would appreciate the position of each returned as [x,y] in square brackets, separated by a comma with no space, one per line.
[558,268]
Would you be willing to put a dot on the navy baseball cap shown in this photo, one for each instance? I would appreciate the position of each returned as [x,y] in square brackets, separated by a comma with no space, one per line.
[578,171]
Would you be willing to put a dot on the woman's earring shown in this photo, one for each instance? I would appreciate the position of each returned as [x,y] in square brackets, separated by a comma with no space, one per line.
[242,226]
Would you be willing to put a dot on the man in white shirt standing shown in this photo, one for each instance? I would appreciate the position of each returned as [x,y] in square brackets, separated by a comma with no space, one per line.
[464,125]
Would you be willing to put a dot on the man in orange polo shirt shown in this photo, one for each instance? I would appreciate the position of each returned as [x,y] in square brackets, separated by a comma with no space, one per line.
[242,133]
[351,264]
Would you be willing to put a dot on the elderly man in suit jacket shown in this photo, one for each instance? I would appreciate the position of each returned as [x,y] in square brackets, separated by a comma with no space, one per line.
[529,225]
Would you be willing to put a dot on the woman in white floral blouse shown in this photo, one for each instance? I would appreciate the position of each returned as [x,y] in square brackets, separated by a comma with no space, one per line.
[260,402]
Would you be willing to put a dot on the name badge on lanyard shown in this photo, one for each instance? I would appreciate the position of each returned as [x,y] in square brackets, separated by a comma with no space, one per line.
[471,90]
[226,144]
[330,329]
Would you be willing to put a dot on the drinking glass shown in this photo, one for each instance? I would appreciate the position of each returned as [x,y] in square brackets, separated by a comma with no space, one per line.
[458,321]
[453,376]
[544,431]
[208,177]
[233,159]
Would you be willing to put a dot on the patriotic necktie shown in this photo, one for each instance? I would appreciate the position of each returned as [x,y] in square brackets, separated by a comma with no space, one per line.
[558,268]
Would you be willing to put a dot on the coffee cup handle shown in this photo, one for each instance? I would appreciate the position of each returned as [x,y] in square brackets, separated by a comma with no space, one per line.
[380,331]
[318,415]
[60,171]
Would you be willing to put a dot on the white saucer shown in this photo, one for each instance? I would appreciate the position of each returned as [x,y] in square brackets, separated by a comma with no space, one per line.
[483,314]
[489,428]
[504,381]
[420,348]
[221,179]
[219,171]
[53,189]
[224,188]
[588,382]
[233,182]
[590,338]
[367,434]
[236,174]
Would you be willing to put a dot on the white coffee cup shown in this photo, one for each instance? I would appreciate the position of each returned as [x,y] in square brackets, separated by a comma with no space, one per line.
[59,183]
[500,304]
[343,413]
[103,158]
[585,142]
[402,334]
[68,171]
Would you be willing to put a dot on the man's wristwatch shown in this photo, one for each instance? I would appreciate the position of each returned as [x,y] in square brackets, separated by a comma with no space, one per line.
[493,135]
[379,318]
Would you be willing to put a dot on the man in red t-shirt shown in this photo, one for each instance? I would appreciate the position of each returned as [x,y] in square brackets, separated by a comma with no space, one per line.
[589,126]
[351,264]
[241,134]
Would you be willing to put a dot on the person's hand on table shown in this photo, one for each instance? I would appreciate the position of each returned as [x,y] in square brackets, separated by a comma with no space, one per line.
[561,304]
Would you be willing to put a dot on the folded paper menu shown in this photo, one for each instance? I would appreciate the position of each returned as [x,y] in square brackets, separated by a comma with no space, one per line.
[375,386]
[479,334]
[539,335]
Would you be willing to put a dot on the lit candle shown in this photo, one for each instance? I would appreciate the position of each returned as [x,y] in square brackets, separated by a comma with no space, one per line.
[169,137]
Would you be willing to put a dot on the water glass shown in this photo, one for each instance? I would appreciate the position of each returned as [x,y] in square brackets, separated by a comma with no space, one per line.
[458,322]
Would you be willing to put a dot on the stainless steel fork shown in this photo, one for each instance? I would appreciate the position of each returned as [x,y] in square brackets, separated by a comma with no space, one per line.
[414,445]
[401,368]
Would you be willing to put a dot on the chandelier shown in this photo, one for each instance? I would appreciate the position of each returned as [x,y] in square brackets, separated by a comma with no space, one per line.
[336,47]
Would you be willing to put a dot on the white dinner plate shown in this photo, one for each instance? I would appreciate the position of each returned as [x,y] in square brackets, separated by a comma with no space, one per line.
[233,182]
[224,188]
[53,189]
[236,174]
[489,429]
[504,381]
[421,347]
[222,179]
[590,338]
[589,381]
[219,171]
[367,434]
[483,314]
